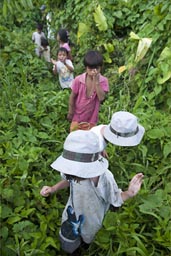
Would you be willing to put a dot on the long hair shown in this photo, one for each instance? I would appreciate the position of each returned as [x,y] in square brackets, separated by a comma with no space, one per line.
[64,36]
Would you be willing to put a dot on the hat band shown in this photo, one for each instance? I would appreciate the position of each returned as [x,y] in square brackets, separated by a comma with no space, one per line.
[80,157]
[125,135]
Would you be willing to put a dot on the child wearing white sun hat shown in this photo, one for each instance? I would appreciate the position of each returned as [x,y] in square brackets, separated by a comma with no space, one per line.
[123,130]
[92,186]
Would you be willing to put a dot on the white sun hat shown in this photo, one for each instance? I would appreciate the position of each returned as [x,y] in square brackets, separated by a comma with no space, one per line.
[124,129]
[81,156]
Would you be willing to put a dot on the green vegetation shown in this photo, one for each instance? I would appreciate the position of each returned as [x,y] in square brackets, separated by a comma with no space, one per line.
[34,125]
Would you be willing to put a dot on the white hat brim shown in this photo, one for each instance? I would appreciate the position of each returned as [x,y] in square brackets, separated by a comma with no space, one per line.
[124,141]
[80,169]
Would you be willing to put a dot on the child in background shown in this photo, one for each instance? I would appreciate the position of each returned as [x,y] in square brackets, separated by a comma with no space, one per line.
[88,92]
[92,186]
[43,13]
[45,49]
[64,41]
[46,19]
[64,67]
[123,130]
[36,38]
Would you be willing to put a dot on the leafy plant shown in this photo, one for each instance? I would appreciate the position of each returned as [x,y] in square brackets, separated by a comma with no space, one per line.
[34,125]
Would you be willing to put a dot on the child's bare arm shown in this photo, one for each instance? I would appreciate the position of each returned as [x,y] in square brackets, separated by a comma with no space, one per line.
[69,67]
[47,190]
[134,187]
[96,79]
[70,56]
[71,106]
[54,66]
[53,61]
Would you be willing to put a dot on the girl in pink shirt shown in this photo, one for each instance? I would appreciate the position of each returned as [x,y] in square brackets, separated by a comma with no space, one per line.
[88,92]
[64,41]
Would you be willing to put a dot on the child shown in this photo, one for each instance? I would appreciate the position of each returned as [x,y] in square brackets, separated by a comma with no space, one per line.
[64,67]
[43,13]
[92,186]
[45,49]
[88,92]
[123,130]
[64,41]
[46,19]
[36,38]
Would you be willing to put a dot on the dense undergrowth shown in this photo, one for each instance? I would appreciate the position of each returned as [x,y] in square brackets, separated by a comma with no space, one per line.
[34,125]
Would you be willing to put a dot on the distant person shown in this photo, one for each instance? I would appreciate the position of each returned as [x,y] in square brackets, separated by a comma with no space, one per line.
[36,38]
[46,19]
[63,66]
[50,32]
[64,41]
[88,92]
[43,13]
[39,16]
[45,49]
[92,186]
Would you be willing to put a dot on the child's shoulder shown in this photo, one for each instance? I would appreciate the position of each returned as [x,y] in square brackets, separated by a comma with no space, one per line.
[80,78]
[69,62]
[107,175]
[103,78]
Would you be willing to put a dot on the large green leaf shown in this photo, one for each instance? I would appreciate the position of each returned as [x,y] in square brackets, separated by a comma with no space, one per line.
[143,46]
[50,241]
[6,211]
[167,149]
[100,19]
[156,133]
[82,29]
[164,66]
[4,9]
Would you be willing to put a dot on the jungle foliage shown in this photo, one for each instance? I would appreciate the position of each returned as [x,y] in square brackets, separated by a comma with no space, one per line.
[135,39]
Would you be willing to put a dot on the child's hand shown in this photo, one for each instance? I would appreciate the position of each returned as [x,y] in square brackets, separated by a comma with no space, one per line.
[53,61]
[135,184]
[64,60]
[105,154]
[46,191]
[96,76]
[69,116]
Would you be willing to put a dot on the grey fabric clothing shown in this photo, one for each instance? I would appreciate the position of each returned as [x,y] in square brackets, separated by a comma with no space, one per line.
[97,130]
[36,38]
[93,202]
[45,53]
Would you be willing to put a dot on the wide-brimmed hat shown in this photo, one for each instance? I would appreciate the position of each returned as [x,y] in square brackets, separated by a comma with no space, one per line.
[81,156]
[124,129]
